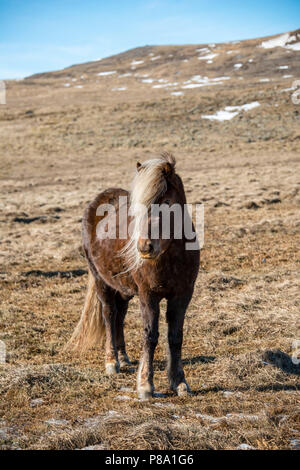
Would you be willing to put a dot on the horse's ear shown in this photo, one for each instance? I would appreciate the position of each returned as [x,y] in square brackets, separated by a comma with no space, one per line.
[169,157]
[168,170]
[138,166]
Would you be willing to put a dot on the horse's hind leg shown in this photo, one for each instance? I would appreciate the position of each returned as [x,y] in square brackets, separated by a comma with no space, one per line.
[122,306]
[106,296]
[175,317]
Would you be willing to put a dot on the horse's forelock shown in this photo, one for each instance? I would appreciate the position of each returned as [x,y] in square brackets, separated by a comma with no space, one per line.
[169,157]
[150,182]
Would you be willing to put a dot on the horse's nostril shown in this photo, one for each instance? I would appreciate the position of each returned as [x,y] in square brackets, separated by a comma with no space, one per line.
[146,247]
[150,247]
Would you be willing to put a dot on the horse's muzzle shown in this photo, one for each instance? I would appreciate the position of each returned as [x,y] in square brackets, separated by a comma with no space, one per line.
[146,249]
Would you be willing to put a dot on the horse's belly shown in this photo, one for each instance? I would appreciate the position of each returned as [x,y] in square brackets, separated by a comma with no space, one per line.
[111,268]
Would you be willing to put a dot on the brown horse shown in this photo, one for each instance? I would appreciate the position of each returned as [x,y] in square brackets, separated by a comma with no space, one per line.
[129,264]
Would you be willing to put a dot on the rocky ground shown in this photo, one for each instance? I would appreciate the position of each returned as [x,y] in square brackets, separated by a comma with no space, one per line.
[65,136]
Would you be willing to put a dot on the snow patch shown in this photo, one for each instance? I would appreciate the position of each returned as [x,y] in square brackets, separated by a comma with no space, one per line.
[208,56]
[164,85]
[203,81]
[279,41]
[198,85]
[203,50]
[102,74]
[244,107]
[217,79]
[230,112]
[238,66]
[294,47]
[245,447]
[137,62]
[283,40]
[222,115]
[94,447]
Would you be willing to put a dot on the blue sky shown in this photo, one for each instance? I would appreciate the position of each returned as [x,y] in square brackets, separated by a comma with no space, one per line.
[42,35]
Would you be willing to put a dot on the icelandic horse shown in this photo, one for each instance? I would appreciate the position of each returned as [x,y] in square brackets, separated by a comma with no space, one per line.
[137,264]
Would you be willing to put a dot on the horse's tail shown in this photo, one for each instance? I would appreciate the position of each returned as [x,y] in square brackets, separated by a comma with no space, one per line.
[90,330]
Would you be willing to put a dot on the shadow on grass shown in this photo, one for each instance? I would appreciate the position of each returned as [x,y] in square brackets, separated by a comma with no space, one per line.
[161,365]
[282,361]
[260,388]
[198,360]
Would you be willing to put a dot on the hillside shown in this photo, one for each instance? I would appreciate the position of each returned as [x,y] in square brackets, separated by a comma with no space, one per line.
[180,68]
[228,114]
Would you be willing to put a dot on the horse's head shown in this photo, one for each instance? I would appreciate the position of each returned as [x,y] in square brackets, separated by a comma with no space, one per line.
[159,223]
[157,200]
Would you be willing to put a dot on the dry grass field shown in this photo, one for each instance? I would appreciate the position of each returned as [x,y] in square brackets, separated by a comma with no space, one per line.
[67,135]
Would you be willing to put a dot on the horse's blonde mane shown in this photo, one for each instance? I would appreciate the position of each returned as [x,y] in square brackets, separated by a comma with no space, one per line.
[147,186]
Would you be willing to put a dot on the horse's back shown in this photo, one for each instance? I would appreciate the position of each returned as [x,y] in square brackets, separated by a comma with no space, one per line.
[90,216]
[103,255]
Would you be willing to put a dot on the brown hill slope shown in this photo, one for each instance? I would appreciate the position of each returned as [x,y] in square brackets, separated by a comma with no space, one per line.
[160,70]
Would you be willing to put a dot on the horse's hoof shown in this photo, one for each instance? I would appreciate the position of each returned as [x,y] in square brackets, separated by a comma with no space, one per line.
[125,361]
[112,368]
[183,389]
[145,393]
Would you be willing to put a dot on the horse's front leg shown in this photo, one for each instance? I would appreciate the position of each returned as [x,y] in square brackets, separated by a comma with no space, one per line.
[150,316]
[175,317]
